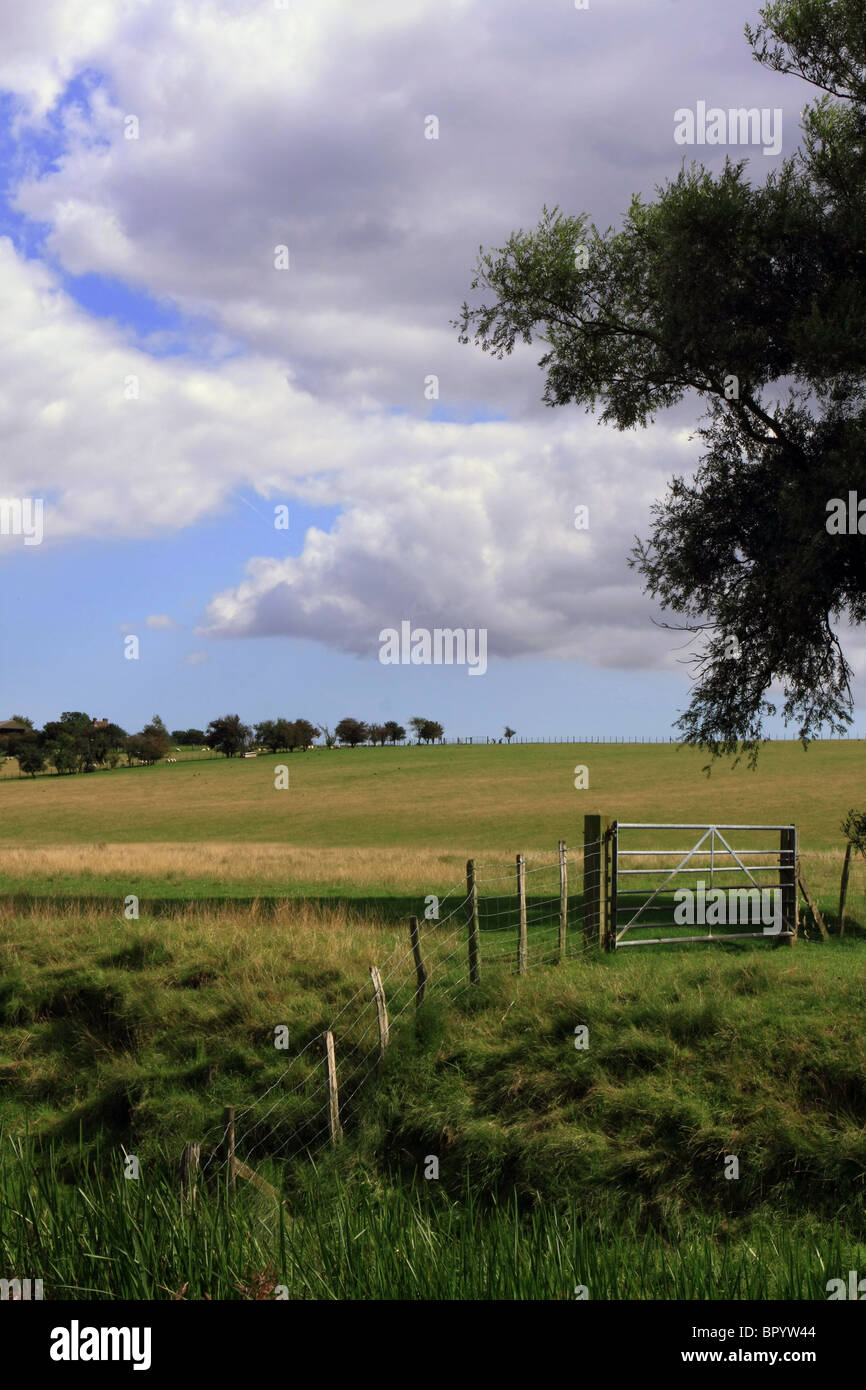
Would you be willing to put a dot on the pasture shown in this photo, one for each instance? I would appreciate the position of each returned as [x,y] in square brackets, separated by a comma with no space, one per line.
[405,818]
[262,907]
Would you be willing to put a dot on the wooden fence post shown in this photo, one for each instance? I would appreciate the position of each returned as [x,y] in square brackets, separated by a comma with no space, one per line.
[592,881]
[788,861]
[563,897]
[333,1095]
[472,920]
[521,906]
[381,1010]
[188,1170]
[813,906]
[420,968]
[843,888]
[228,1144]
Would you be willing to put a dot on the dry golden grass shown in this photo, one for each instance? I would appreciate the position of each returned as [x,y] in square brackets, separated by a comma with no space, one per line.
[271,868]
[230,863]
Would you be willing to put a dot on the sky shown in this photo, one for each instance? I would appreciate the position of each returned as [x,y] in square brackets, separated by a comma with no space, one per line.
[173,385]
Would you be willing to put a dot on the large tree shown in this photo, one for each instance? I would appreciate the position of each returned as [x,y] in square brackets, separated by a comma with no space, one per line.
[752,296]
[157,731]
[277,735]
[148,746]
[31,758]
[108,742]
[351,731]
[305,733]
[143,748]
[69,742]
[228,735]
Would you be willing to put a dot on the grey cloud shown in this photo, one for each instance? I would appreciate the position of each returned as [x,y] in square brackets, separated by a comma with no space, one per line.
[311,135]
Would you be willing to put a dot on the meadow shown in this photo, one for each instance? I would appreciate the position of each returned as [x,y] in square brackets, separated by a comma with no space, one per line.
[558,1167]
[389,818]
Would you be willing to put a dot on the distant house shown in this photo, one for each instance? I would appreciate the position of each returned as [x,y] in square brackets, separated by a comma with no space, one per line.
[100,723]
[10,729]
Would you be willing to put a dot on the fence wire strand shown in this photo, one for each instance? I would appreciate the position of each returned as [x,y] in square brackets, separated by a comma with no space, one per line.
[356,1021]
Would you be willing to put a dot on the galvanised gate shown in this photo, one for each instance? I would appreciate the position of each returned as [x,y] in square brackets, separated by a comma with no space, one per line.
[670,883]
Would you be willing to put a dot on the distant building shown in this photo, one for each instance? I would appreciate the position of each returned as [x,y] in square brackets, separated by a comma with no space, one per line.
[11,729]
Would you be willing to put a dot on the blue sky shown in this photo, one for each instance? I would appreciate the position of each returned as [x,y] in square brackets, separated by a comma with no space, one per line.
[83,600]
[153,260]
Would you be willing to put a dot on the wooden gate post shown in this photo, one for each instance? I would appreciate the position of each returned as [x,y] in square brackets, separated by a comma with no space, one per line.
[472,919]
[788,862]
[595,887]
[381,1010]
[334,1125]
[563,897]
[521,908]
[420,968]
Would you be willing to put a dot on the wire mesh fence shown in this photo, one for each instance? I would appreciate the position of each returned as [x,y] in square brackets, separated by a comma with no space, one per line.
[537,905]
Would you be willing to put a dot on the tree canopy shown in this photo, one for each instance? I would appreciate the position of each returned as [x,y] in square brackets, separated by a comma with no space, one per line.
[228,735]
[351,731]
[752,296]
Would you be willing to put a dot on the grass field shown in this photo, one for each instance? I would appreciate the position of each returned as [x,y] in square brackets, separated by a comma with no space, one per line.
[558,1166]
[466,800]
[380,822]
[611,1159]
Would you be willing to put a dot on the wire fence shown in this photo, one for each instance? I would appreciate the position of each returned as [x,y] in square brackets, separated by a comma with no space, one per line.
[507,918]
[540,903]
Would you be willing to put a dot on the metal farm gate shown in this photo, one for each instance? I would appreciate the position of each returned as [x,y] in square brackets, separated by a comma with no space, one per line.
[732,876]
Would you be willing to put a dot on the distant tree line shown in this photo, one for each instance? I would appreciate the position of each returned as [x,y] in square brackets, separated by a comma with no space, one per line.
[77,743]
[354,731]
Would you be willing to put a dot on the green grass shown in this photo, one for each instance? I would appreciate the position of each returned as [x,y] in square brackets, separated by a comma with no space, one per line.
[355,1237]
[138,1038]
[383,827]
[558,1166]
[469,799]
